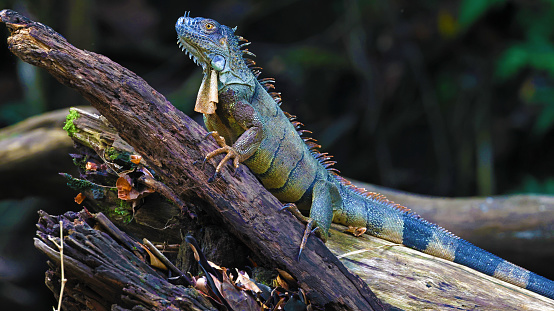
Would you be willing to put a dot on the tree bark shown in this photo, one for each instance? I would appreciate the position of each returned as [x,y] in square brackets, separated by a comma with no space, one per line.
[171,142]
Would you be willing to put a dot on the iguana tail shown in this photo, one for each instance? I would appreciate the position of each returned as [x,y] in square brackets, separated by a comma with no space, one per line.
[398,224]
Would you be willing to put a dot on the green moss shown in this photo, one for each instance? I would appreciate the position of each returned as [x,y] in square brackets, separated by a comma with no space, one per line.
[97,191]
[113,154]
[124,211]
[69,127]
[80,162]
[78,184]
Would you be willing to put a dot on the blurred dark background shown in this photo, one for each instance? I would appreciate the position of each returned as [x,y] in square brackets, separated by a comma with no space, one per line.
[447,98]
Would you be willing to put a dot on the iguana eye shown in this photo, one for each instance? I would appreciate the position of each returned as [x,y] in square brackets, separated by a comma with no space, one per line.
[209,26]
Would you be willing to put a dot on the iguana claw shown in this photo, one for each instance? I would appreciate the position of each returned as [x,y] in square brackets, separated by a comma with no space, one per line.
[291,207]
[224,148]
[307,232]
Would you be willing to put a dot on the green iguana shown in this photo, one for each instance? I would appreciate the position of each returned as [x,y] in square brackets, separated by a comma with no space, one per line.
[248,124]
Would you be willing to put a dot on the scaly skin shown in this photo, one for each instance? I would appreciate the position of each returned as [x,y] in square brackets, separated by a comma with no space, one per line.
[239,111]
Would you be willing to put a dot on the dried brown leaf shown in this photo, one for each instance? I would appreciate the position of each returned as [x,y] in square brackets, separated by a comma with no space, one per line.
[135,158]
[80,198]
[154,261]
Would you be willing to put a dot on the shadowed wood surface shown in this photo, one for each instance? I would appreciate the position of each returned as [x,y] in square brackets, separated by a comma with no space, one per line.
[106,269]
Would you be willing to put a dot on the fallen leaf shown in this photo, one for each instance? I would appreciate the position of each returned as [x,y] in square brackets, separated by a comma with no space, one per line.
[154,261]
[135,158]
[80,198]
[91,166]
[356,231]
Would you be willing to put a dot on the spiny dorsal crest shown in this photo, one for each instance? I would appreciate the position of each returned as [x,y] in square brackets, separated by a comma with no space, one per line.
[269,84]
[375,196]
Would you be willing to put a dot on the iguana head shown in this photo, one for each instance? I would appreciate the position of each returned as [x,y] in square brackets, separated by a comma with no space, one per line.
[210,44]
[216,48]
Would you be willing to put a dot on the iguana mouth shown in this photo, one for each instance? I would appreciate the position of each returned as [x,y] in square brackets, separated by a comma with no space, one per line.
[187,49]
[188,37]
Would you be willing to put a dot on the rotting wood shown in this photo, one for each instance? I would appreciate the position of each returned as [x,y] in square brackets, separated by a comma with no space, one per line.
[106,273]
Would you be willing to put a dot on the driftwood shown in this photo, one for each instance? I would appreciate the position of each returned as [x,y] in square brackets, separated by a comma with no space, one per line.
[170,143]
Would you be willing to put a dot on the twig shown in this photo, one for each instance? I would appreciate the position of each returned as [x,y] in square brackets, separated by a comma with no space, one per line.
[64,280]
[166,261]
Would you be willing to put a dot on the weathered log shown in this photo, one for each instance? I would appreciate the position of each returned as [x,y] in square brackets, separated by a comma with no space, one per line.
[107,268]
[412,280]
[514,227]
[171,142]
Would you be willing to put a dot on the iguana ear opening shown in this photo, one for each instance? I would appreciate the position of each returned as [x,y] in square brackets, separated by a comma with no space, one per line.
[218,62]
[207,98]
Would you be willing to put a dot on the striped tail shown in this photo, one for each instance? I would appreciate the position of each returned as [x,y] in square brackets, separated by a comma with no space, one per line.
[396,223]
[434,240]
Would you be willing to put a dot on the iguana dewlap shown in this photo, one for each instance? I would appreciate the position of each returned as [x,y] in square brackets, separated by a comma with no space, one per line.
[251,128]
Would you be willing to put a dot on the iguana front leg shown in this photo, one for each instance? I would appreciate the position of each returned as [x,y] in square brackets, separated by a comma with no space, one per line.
[224,148]
[325,199]
[245,145]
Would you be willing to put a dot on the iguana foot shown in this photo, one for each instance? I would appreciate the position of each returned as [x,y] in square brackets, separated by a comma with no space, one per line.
[224,148]
[291,207]
[356,231]
[311,227]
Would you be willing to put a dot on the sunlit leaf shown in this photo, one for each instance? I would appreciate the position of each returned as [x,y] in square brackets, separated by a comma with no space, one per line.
[91,166]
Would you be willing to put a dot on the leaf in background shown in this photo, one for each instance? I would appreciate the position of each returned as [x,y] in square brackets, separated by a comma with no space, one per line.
[543,96]
[447,24]
[471,10]
[511,61]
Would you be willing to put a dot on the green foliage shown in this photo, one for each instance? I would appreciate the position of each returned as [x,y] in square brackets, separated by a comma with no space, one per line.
[535,52]
[533,185]
[538,55]
[471,10]
[528,60]
[124,211]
